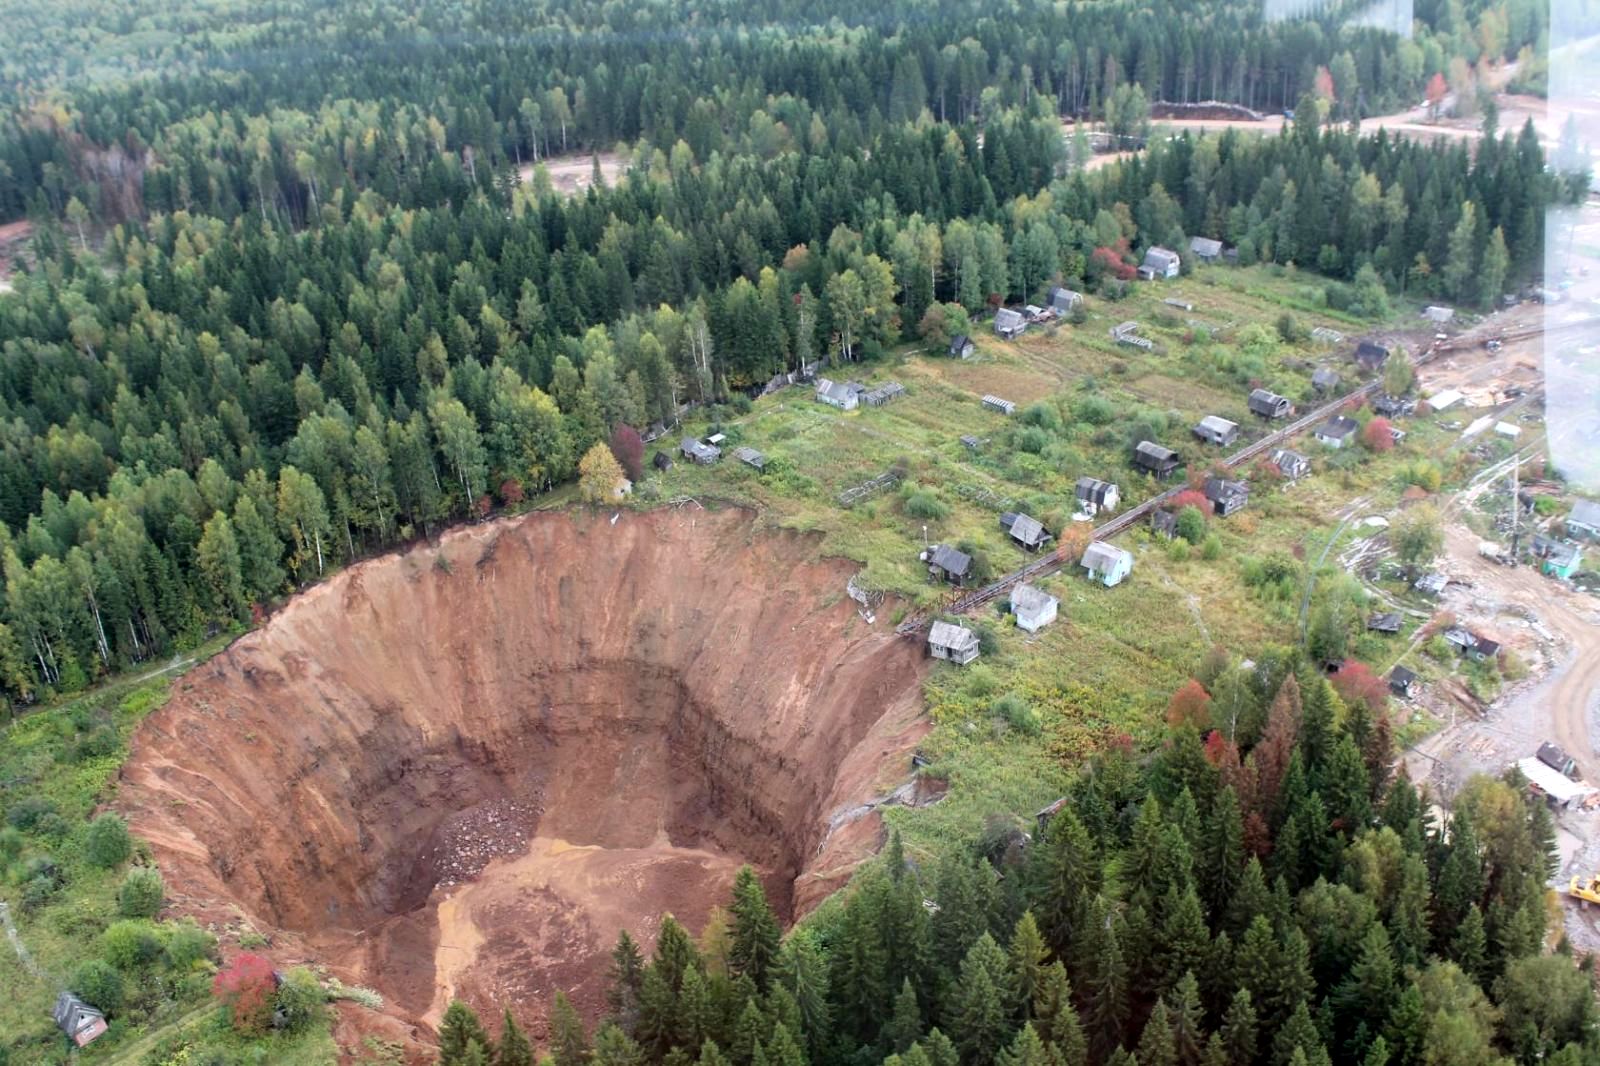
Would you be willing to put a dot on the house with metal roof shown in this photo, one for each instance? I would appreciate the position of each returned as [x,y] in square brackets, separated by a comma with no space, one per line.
[1269,404]
[1226,496]
[1557,558]
[952,643]
[1009,324]
[1095,495]
[1029,532]
[1393,406]
[1370,356]
[1159,461]
[1205,249]
[1106,563]
[1160,263]
[1214,429]
[1431,584]
[81,1023]
[699,451]
[750,457]
[1291,464]
[1439,316]
[1033,607]
[947,564]
[1337,431]
[843,395]
[961,347]
[1387,622]
[1402,682]
[888,392]
[1064,301]
[1324,379]
[1584,519]
[995,403]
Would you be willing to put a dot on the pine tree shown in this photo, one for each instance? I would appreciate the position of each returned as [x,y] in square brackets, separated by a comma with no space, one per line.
[783,1049]
[1222,851]
[675,952]
[569,1043]
[1064,875]
[755,929]
[1298,1033]
[514,1048]
[458,1028]
[1188,1019]
[1345,784]
[625,981]
[1027,963]
[905,1023]
[613,1047]
[1155,1044]
[802,977]
[941,1051]
[695,1016]
[1239,1029]
[1106,980]
[1368,990]
[749,1030]
[979,1009]
[1025,1050]
[1470,949]
[1184,943]
[475,1055]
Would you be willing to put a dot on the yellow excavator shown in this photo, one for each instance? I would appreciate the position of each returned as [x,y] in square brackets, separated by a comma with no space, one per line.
[1585,890]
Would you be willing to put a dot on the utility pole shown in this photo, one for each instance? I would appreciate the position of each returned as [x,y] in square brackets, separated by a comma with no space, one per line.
[1516,507]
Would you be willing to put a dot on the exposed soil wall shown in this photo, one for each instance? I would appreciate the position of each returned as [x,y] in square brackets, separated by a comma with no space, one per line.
[461,770]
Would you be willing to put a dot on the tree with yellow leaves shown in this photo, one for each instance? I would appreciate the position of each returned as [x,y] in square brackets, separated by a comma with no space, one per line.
[600,477]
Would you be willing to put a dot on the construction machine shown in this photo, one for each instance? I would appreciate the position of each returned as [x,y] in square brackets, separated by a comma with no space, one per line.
[1585,890]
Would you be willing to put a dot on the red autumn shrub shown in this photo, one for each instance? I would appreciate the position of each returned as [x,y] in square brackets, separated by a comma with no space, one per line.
[246,987]
[628,448]
[1377,436]
[511,491]
[1190,498]
[1191,704]
[1355,682]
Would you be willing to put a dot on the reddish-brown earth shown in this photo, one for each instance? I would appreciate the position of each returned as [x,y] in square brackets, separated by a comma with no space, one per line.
[461,770]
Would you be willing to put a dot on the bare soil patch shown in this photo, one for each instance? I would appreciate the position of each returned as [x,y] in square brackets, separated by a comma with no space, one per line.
[461,770]
[573,174]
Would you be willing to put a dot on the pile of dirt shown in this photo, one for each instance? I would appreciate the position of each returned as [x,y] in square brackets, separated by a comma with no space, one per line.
[462,770]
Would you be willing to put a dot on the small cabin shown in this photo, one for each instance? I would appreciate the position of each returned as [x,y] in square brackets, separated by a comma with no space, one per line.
[82,1023]
[1160,263]
[1557,558]
[1371,357]
[1226,496]
[843,395]
[1033,607]
[1402,682]
[1009,324]
[952,643]
[1325,380]
[699,452]
[1431,584]
[947,564]
[1386,622]
[995,403]
[1028,532]
[1291,464]
[1393,406]
[751,458]
[961,347]
[1214,429]
[1095,495]
[1439,316]
[1205,249]
[883,394]
[1337,431]
[661,461]
[1164,524]
[1065,301]
[1157,460]
[1106,563]
[1584,520]
[1269,404]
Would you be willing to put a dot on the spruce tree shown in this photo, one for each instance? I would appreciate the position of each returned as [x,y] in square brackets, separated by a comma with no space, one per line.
[514,1048]
[1026,1049]
[569,1043]
[1156,1047]
[979,1010]
[904,1027]
[1027,954]
[614,1047]
[940,1050]
[625,981]
[755,929]
[458,1028]
[1470,949]
[1188,1019]
[1240,1028]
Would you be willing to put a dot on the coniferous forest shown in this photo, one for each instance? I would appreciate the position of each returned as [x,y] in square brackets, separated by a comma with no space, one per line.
[1295,907]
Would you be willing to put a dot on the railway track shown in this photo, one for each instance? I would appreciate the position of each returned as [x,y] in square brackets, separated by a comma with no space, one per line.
[1049,564]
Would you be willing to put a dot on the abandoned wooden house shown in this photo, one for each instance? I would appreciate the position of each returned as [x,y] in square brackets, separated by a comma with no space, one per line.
[1557,558]
[1164,523]
[661,461]
[843,395]
[1042,817]
[1226,496]
[1028,532]
[1214,429]
[1157,460]
[886,393]
[952,643]
[1033,607]
[974,444]
[1106,563]
[1324,379]
[1431,584]
[1095,496]
[1584,520]
[1160,263]
[1386,622]
[1065,301]
[652,433]
[1470,644]
[1402,682]
[81,1023]
[699,451]
[961,347]
[1269,404]
[947,564]
[1291,464]
[1009,324]
[1371,357]
[1206,249]
[1393,406]
[750,457]
[1337,431]
[995,403]
[1128,333]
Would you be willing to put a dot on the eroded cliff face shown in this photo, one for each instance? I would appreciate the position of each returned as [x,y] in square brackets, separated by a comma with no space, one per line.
[463,769]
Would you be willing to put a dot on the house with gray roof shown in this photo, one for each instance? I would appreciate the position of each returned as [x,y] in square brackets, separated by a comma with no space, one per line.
[843,395]
[1324,379]
[1106,563]
[1226,496]
[1337,431]
[1009,324]
[1029,532]
[947,564]
[1584,519]
[1206,249]
[1033,607]
[885,393]
[1291,464]
[1160,263]
[1157,460]
[952,643]
[81,1023]
[1269,404]
[1214,429]
[751,458]
[1064,301]
[699,451]
[1095,495]
[961,347]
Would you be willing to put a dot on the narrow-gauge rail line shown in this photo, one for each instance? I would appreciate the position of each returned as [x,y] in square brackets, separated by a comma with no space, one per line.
[1049,564]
